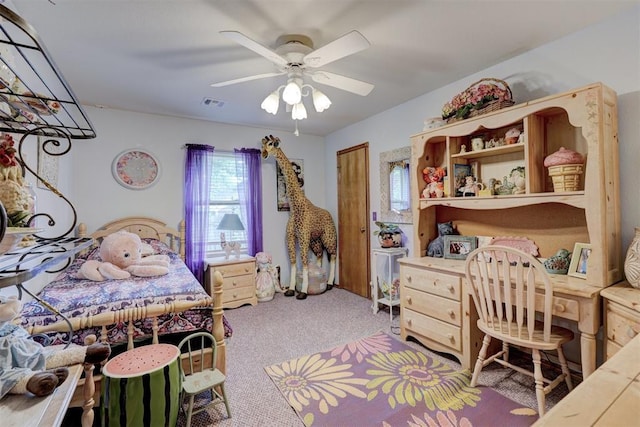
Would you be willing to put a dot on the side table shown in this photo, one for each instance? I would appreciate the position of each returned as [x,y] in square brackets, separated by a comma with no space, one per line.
[385,271]
[239,286]
[621,316]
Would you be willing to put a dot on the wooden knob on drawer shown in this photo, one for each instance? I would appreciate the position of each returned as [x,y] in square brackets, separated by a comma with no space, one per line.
[408,300]
[451,313]
[450,288]
[409,322]
[450,337]
[559,308]
[234,283]
[630,332]
[408,278]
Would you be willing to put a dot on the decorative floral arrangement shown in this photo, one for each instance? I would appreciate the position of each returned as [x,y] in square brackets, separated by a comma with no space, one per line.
[475,97]
[7,152]
[14,192]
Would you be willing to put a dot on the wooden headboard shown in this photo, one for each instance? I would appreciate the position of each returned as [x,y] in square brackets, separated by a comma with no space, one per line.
[144,227]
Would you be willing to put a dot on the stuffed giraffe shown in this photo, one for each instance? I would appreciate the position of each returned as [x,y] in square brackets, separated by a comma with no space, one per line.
[309,226]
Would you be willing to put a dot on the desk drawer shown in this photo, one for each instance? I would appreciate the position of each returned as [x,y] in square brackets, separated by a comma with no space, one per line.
[231,270]
[434,306]
[622,324]
[434,329]
[443,285]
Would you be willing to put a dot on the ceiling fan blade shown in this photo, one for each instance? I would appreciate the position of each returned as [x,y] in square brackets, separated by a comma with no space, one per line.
[346,45]
[247,79]
[341,82]
[261,50]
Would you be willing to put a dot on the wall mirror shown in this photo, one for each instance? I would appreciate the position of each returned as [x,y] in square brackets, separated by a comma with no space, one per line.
[395,191]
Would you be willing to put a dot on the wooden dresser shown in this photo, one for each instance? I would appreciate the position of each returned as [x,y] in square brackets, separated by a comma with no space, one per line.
[239,286]
[622,316]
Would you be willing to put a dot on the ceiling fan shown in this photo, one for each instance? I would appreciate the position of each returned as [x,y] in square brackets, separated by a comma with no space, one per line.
[296,57]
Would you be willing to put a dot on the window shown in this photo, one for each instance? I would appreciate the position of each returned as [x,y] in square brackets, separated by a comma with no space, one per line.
[225,182]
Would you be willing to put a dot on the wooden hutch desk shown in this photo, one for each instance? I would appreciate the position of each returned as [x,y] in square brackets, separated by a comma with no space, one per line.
[439,312]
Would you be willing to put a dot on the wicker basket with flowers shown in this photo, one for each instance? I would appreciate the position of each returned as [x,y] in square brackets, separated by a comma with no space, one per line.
[482,97]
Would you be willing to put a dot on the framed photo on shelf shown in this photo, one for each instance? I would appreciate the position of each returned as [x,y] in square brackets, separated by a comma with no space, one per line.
[579,260]
[460,172]
[281,194]
[458,247]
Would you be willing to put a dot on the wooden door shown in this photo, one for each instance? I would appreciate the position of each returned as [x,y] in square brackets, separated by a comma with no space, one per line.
[353,219]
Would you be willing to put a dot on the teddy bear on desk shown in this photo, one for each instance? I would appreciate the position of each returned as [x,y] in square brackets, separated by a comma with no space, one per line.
[27,366]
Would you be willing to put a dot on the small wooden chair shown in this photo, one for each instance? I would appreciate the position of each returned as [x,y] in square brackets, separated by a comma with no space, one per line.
[200,373]
[502,282]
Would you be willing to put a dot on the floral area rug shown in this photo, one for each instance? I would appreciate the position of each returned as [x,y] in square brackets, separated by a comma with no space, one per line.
[380,381]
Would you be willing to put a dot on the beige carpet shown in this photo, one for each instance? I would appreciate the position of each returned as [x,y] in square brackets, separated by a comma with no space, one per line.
[286,328]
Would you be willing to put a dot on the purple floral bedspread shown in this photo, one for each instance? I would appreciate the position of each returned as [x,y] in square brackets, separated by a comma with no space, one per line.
[80,297]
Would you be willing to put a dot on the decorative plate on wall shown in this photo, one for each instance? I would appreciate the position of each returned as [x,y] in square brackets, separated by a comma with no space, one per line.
[136,169]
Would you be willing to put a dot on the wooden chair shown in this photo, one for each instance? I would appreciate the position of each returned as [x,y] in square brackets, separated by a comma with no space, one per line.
[199,373]
[502,282]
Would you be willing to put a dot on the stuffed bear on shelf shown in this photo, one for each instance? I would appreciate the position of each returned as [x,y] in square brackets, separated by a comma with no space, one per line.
[27,366]
[122,257]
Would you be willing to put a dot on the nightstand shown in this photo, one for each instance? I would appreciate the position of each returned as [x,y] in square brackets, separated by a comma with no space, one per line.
[622,316]
[239,286]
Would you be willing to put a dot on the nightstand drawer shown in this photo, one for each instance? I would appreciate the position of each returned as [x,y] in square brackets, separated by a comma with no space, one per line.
[236,282]
[432,305]
[436,330]
[444,285]
[238,269]
[235,293]
[622,324]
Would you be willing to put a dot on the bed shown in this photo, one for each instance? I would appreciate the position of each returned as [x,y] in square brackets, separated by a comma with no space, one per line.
[130,311]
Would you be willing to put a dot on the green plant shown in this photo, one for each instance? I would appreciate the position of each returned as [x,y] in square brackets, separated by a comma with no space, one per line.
[386,229]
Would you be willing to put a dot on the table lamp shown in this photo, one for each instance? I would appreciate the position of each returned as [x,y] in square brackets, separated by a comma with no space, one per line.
[230,222]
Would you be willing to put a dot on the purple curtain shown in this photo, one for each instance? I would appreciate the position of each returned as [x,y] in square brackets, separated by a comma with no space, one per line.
[248,164]
[198,169]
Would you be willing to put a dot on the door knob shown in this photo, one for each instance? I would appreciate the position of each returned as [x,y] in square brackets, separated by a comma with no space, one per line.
[362,229]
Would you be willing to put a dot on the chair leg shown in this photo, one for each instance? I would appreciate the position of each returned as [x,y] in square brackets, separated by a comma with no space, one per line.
[565,369]
[537,375]
[480,362]
[190,410]
[505,351]
[226,401]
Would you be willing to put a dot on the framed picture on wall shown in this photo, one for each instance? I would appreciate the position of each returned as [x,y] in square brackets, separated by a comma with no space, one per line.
[136,169]
[281,182]
[579,260]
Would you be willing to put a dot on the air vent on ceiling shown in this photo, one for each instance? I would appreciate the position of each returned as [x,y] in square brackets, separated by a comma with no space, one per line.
[210,102]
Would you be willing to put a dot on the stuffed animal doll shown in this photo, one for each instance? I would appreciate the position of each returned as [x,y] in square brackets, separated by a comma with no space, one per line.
[436,246]
[434,178]
[267,283]
[27,366]
[121,254]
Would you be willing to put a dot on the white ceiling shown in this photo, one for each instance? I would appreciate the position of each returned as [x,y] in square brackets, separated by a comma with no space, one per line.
[160,56]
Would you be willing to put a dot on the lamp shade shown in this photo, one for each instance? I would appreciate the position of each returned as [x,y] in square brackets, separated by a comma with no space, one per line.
[292,94]
[271,103]
[320,101]
[230,222]
[299,112]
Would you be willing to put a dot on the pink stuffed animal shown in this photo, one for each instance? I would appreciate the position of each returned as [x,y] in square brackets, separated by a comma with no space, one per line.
[121,254]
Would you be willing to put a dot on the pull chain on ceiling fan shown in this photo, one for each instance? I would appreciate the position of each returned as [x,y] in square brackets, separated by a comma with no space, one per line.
[296,58]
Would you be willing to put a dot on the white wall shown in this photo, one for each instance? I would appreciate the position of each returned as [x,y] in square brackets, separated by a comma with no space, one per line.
[100,199]
[608,52]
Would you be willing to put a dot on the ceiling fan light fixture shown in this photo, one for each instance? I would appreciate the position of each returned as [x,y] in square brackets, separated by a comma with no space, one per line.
[299,112]
[271,102]
[292,93]
[320,101]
